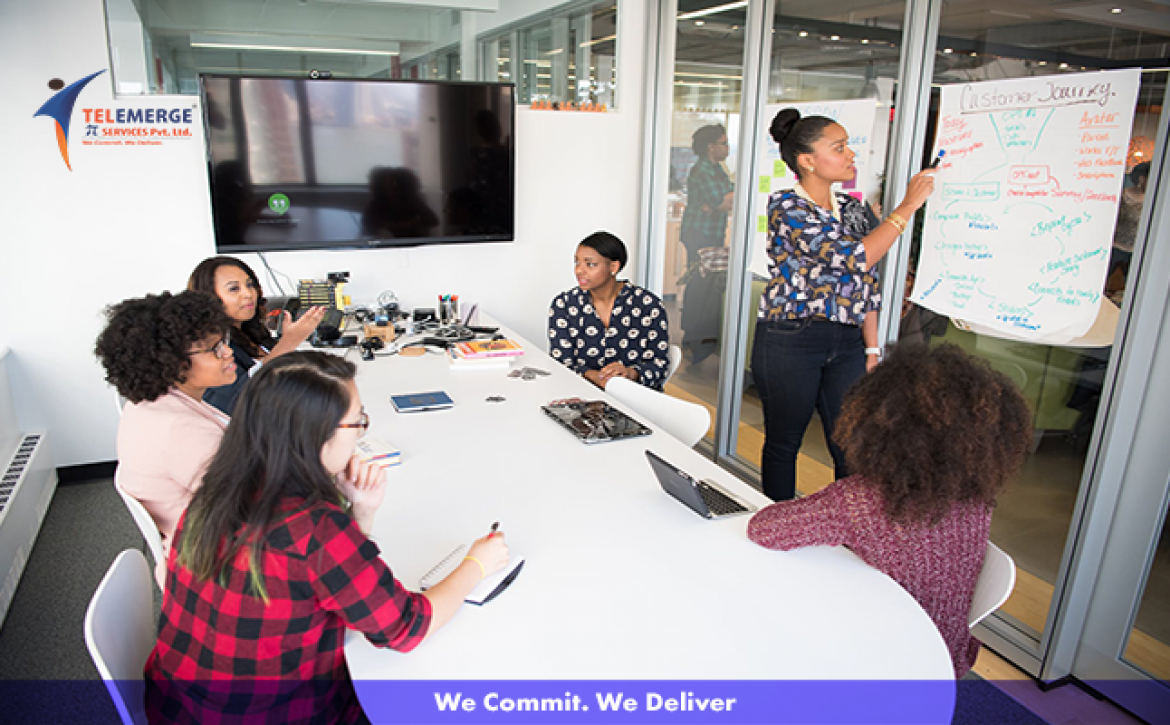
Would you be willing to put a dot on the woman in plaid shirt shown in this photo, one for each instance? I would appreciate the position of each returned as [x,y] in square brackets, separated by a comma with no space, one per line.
[271,563]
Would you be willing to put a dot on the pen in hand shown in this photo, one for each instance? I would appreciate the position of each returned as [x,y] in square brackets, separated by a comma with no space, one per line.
[937,159]
[495,526]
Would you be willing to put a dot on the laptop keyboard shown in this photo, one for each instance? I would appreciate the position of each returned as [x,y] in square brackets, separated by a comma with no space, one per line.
[718,502]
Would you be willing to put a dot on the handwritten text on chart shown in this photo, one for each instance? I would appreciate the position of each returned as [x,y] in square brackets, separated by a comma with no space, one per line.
[971,192]
[1063,224]
[987,98]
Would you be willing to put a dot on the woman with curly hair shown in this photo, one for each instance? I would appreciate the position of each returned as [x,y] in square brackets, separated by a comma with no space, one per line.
[236,286]
[932,436]
[162,352]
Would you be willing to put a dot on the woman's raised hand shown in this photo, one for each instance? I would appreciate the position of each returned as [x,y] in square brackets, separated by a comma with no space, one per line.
[298,331]
[363,483]
[919,189]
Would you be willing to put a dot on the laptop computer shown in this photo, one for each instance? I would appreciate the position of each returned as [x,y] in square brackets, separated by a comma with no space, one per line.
[595,421]
[706,498]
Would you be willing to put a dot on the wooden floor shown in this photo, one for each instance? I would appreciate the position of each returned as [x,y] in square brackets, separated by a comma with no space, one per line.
[1028,603]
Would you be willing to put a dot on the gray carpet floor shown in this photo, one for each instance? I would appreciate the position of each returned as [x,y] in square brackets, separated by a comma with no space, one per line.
[46,674]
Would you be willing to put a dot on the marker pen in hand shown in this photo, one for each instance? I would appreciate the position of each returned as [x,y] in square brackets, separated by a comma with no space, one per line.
[495,527]
[937,159]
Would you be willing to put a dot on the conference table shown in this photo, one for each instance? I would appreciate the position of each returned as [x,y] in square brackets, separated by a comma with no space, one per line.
[621,582]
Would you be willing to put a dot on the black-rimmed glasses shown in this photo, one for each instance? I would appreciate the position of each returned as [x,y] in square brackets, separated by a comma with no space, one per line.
[218,348]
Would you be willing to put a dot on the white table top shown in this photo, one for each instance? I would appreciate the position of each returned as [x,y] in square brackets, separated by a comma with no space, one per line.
[621,581]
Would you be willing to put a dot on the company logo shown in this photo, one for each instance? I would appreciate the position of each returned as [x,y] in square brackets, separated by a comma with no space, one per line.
[60,109]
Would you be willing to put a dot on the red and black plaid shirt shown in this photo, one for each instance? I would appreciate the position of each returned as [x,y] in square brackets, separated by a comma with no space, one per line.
[224,656]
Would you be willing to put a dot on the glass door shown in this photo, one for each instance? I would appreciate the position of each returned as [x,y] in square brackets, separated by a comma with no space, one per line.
[1042,518]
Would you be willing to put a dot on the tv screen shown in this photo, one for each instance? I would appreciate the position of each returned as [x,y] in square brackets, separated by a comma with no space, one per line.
[312,164]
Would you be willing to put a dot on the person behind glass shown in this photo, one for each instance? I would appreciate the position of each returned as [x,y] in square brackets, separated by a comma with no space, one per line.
[814,334]
[235,285]
[704,225]
[933,435]
[605,327]
[161,353]
[272,562]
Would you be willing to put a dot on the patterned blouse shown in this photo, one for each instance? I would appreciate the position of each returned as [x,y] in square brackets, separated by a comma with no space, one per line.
[817,262]
[637,335]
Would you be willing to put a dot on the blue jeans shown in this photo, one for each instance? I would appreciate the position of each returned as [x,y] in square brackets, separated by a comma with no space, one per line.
[799,366]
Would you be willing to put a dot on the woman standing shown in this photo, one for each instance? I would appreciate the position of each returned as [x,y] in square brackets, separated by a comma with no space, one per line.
[272,563]
[933,435]
[606,327]
[704,225]
[814,336]
[235,285]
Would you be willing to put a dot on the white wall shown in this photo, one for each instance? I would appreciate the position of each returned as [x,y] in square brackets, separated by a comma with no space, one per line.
[127,221]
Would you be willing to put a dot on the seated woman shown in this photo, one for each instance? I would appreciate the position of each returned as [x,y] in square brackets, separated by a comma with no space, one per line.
[933,435]
[235,285]
[605,327]
[162,352]
[272,562]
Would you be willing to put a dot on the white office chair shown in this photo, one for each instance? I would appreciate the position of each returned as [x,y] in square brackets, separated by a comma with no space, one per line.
[675,361]
[119,632]
[996,581]
[142,517]
[684,420]
[119,401]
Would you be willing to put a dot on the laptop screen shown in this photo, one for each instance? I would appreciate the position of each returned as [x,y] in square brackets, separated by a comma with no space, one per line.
[678,484]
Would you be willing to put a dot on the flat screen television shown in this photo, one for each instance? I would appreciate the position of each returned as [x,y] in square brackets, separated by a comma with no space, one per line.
[296,163]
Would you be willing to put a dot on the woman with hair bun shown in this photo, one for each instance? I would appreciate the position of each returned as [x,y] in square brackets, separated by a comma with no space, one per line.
[814,336]
[933,435]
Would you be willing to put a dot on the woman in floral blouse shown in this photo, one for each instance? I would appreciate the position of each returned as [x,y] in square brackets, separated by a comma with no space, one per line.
[605,327]
[814,336]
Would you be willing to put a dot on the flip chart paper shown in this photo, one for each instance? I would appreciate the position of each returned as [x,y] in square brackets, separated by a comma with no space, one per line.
[1018,233]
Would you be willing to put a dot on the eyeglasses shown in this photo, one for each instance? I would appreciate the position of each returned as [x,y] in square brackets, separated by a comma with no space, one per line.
[218,349]
[363,423]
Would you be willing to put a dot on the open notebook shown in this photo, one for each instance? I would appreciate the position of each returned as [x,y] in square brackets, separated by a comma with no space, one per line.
[488,589]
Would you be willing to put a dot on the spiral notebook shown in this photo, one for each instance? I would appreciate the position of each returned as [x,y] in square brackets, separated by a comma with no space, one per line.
[488,589]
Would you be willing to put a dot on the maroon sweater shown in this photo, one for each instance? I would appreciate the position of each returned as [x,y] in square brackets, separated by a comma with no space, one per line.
[937,564]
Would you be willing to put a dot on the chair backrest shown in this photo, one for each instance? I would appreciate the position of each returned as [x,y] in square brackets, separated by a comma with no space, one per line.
[997,578]
[142,517]
[119,401]
[675,361]
[119,632]
[682,419]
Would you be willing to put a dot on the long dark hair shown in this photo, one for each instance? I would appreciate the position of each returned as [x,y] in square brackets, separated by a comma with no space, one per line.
[796,135]
[255,333]
[932,427]
[270,451]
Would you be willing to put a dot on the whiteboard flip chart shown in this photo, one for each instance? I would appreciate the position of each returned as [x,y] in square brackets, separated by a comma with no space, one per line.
[1018,233]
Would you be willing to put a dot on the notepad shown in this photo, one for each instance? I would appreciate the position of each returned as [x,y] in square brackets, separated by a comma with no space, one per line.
[488,589]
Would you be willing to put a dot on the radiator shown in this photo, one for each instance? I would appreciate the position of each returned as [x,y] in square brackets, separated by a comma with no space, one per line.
[26,489]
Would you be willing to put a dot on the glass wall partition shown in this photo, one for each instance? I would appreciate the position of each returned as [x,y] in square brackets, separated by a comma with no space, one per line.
[1063,383]
[705,106]
[837,59]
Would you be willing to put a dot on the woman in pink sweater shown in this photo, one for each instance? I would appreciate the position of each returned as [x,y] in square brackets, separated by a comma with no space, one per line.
[162,352]
[933,435]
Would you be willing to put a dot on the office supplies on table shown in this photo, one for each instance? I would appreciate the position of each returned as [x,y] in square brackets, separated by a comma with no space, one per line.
[487,589]
[489,348]
[458,362]
[414,402]
[706,498]
[595,421]
[374,450]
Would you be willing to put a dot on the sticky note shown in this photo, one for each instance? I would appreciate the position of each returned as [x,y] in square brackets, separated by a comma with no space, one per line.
[762,224]
[779,168]
[765,184]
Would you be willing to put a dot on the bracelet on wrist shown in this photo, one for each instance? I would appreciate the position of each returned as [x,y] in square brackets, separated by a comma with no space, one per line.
[873,351]
[897,221]
[482,570]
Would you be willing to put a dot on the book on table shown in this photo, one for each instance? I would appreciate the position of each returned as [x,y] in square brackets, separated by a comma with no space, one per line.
[458,362]
[373,450]
[489,348]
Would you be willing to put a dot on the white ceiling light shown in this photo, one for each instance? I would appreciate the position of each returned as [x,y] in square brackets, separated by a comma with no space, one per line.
[713,10]
[293,49]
